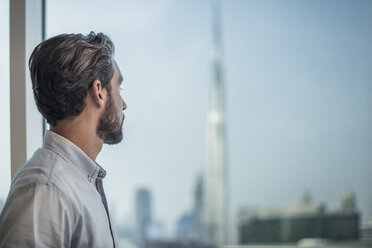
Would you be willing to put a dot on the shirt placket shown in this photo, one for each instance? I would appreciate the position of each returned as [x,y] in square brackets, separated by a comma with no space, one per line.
[99,184]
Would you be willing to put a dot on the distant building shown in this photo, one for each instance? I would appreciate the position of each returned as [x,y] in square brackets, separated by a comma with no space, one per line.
[198,208]
[143,214]
[215,207]
[306,220]
[347,202]
[190,224]
[366,231]
[186,228]
[156,230]
[175,244]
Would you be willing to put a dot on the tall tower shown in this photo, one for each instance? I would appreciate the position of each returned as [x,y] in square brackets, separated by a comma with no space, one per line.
[215,213]
[143,214]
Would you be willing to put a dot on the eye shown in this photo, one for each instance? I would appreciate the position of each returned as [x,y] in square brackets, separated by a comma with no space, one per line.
[121,91]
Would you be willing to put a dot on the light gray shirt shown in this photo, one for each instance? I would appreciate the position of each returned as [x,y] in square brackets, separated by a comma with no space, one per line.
[53,200]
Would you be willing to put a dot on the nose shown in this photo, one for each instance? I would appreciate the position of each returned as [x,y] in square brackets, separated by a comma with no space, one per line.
[124,105]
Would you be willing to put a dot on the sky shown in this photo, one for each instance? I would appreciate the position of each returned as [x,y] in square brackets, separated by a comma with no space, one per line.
[298,99]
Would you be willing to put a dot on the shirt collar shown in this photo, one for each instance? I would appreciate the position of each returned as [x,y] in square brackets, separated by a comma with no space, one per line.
[72,153]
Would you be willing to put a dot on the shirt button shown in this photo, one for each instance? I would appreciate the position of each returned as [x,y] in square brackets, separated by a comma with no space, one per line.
[90,179]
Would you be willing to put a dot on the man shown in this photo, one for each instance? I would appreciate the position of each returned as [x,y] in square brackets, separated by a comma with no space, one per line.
[56,199]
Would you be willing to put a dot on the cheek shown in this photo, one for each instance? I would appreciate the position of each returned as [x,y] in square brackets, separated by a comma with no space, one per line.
[118,103]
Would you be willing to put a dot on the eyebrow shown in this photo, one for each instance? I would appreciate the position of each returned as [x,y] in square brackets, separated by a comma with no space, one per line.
[121,79]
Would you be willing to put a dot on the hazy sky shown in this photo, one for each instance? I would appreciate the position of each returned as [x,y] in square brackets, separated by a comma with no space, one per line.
[298,85]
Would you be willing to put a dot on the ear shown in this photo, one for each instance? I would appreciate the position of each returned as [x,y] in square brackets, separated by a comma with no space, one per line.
[98,93]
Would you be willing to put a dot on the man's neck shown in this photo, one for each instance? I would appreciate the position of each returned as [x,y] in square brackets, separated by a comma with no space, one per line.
[82,136]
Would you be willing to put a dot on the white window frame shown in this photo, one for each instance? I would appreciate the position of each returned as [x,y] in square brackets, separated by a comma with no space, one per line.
[26,30]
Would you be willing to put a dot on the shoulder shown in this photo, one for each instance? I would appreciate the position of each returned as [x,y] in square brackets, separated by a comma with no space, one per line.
[37,168]
[36,214]
[46,166]
[35,179]
[36,211]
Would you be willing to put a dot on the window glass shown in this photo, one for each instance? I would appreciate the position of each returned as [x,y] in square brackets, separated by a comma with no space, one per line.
[297,97]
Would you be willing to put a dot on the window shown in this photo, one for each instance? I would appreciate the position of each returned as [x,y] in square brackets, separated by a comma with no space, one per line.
[297,99]
[4,96]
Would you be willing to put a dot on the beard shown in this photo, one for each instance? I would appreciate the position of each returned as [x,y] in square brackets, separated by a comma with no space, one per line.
[109,127]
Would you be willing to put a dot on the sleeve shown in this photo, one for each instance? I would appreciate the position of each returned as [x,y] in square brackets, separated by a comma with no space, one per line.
[36,217]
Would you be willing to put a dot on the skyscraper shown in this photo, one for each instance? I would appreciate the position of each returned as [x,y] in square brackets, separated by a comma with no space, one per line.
[215,212]
[198,207]
[143,214]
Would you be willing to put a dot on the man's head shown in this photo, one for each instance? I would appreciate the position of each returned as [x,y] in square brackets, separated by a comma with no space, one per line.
[65,68]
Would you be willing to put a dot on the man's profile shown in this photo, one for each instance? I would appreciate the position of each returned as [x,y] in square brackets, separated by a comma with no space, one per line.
[56,199]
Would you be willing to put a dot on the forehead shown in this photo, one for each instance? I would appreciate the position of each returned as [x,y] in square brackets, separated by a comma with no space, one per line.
[117,76]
